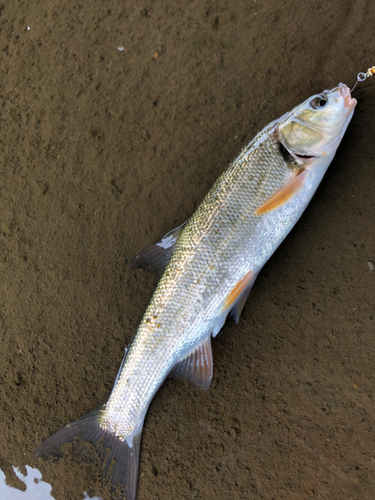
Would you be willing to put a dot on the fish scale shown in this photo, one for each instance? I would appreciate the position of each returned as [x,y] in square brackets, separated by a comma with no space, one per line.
[225,234]
[207,268]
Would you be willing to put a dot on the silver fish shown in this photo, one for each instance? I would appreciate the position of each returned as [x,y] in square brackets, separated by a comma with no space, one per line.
[208,267]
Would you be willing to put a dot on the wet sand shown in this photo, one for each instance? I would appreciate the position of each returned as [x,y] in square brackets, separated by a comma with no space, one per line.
[105,150]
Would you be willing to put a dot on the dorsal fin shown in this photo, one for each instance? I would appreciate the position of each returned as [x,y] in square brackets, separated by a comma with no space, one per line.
[156,257]
[196,366]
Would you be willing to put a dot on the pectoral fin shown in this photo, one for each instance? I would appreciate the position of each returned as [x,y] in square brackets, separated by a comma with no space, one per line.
[156,257]
[196,366]
[284,194]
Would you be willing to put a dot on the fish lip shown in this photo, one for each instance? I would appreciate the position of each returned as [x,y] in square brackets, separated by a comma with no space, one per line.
[349,101]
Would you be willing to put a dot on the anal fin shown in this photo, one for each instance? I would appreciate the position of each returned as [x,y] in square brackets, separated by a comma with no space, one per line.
[197,366]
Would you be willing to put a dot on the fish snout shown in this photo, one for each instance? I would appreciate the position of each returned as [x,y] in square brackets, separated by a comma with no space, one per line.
[350,102]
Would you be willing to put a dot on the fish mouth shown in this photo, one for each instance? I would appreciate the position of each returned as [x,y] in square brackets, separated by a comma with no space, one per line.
[350,102]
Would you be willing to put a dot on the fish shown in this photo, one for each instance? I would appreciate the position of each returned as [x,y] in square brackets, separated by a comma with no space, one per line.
[206,269]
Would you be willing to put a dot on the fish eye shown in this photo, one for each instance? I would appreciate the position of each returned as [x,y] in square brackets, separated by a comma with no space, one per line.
[319,101]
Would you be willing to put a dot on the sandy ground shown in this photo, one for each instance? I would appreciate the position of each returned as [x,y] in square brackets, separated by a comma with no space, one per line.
[105,150]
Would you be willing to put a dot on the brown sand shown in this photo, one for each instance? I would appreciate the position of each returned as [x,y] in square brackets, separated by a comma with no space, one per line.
[102,152]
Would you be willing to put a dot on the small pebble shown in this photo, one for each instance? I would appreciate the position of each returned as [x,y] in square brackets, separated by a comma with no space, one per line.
[371,265]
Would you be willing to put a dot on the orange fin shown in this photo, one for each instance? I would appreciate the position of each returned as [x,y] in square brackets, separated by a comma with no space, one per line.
[284,194]
[235,296]
[241,301]
[196,366]
[235,302]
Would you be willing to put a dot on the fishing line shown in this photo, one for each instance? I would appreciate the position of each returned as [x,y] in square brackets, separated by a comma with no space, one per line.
[361,77]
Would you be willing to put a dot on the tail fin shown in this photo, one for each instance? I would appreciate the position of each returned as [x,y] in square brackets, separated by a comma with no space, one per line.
[125,452]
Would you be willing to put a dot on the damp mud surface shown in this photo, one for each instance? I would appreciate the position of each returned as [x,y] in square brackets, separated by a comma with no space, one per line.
[116,118]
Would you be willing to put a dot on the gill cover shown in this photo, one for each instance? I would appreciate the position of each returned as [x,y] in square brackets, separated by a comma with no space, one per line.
[316,127]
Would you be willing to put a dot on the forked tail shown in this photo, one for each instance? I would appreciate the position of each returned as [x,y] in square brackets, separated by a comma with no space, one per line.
[124,452]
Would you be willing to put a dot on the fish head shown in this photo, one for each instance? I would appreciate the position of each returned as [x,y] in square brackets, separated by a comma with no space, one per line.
[315,127]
